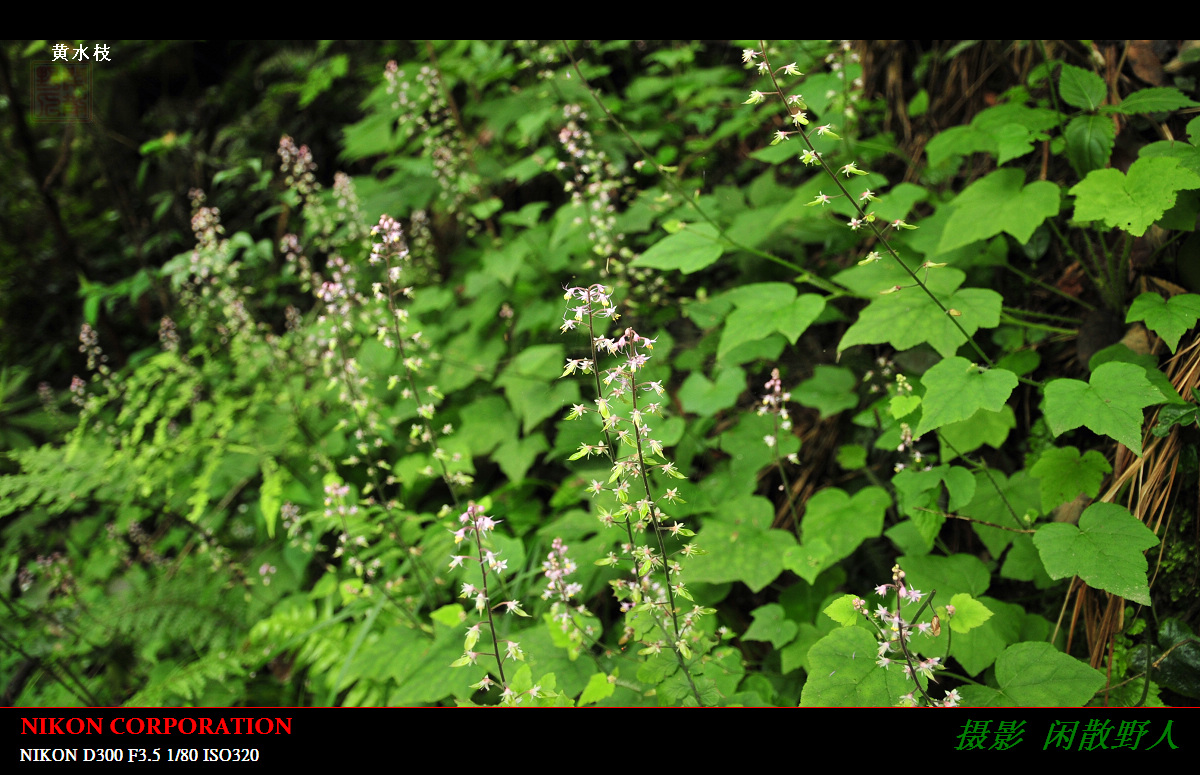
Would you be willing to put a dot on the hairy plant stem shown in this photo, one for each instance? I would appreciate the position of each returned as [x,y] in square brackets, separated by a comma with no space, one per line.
[608,441]
[789,498]
[903,641]
[803,275]
[417,561]
[974,520]
[979,466]
[652,513]
[878,232]
[430,433]
[488,600]
[1007,316]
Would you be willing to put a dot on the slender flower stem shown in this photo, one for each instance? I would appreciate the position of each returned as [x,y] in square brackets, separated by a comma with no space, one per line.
[487,607]
[803,275]
[589,296]
[870,222]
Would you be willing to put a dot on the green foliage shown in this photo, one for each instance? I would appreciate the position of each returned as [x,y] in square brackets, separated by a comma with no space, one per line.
[907,318]
[741,546]
[690,248]
[1133,201]
[830,390]
[1106,550]
[1000,202]
[835,524]
[390,465]
[1036,675]
[1109,403]
[1066,474]
[956,389]
[1170,318]
[844,673]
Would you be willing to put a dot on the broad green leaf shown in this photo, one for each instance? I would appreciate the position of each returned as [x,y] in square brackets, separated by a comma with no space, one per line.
[1149,364]
[842,673]
[996,499]
[418,666]
[753,227]
[1037,675]
[803,602]
[528,216]
[830,390]
[1089,142]
[1182,215]
[505,262]
[760,295]
[1170,319]
[842,611]
[598,687]
[486,423]
[810,559]
[1135,201]
[451,615]
[709,313]
[747,448]
[1179,667]
[571,674]
[795,654]
[516,456]
[270,496]
[762,309]
[869,279]
[1110,403]
[772,625]
[852,456]
[948,575]
[1065,474]
[795,319]
[1187,153]
[529,384]
[918,493]
[691,249]
[1012,142]
[979,648]
[1006,131]
[969,613]
[983,427]
[1106,550]
[955,389]
[1023,563]
[1160,99]
[704,397]
[1081,88]
[766,350]
[899,201]
[1173,414]
[958,141]
[1021,362]
[999,202]
[901,406]
[908,317]
[842,522]
[741,545]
